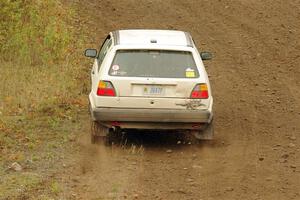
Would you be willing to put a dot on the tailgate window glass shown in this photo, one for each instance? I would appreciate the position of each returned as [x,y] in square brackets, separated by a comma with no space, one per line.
[154,63]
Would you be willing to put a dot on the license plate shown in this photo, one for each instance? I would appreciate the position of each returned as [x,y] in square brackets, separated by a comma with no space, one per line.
[153,90]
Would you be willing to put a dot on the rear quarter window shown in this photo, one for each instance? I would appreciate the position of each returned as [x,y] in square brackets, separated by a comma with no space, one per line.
[154,63]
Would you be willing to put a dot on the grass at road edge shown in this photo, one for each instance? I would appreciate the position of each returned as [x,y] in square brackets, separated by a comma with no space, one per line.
[40,108]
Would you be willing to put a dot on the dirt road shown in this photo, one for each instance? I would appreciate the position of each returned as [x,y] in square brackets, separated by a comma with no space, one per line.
[255,78]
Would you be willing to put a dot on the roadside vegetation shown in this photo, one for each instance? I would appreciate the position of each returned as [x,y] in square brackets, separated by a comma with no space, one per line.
[42,90]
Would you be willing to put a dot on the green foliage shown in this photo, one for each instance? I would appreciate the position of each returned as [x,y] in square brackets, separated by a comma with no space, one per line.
[16,186]
[38,105]
[34,32]
[55,187]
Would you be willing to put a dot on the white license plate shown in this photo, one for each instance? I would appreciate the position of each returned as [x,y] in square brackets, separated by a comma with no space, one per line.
[153,90]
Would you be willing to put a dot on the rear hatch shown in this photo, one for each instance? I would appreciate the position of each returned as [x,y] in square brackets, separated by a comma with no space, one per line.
[153,78]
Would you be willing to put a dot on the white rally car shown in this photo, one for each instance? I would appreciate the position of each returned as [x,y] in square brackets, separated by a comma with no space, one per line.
[150,79]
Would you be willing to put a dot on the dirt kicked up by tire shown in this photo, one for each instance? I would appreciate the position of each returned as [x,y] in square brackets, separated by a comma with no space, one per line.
[255,79]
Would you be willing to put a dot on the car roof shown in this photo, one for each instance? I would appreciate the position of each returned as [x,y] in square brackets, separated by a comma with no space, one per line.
[152,37]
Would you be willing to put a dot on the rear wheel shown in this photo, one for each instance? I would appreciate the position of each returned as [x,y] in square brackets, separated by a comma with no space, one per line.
[206,134]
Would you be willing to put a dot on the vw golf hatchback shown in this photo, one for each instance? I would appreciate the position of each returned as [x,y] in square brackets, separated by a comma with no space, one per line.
[150,79]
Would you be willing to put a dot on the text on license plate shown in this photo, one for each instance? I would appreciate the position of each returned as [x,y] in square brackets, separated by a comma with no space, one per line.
[153,90]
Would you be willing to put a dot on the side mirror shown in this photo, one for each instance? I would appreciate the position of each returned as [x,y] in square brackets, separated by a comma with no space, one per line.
[92,53]
[206,55]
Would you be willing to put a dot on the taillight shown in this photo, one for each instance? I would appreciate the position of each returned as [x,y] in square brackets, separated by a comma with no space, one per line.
[200,91]
[105,88]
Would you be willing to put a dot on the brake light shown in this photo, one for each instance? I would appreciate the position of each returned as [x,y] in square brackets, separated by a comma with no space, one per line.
[105,88]
[200,91]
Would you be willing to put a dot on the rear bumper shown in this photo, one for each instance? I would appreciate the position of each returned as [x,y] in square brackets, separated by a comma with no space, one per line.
[151,115]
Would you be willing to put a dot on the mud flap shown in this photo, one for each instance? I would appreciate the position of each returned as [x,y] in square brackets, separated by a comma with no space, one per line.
[91,112]
[206,134]
[98,131]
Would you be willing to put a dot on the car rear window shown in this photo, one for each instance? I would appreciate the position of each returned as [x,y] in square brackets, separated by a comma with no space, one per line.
[154,63]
